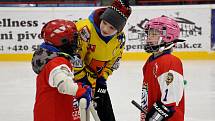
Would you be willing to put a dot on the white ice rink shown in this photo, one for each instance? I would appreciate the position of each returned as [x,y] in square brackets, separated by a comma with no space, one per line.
[17,90]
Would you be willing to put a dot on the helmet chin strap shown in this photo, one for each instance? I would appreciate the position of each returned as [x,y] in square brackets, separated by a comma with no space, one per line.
[160,40]
[161,46]
[168,45]
[161,49]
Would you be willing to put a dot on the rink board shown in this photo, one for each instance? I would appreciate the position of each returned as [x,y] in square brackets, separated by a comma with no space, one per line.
[126,56]
[20,29]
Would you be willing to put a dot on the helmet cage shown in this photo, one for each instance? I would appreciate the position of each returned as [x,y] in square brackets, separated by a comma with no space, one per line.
[151,47]
[70,47]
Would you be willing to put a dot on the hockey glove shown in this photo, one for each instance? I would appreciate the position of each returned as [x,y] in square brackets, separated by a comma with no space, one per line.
[84,92]
[159,112]
[101,87]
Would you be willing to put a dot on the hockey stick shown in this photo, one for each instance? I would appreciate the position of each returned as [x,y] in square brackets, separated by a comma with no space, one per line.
[85,113]
[138,106]
[93,112]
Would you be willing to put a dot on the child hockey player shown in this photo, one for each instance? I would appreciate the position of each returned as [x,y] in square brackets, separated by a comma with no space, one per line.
[163,86]
[102,43]
[53,62]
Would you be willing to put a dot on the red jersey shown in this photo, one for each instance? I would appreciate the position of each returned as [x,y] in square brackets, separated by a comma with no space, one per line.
[163,81]
[51,105]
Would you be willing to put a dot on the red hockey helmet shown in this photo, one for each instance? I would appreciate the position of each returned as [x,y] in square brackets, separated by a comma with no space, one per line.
[59,32]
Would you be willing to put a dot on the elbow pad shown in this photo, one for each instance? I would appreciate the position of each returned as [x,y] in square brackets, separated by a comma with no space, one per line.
[61,78]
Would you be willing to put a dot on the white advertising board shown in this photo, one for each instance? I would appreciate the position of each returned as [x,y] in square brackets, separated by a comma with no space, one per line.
[194,25]
[20,27]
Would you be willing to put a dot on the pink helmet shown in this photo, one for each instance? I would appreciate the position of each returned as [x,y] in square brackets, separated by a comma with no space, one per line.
[169,28]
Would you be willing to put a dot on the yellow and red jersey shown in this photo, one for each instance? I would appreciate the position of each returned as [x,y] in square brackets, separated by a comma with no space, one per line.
[100,57]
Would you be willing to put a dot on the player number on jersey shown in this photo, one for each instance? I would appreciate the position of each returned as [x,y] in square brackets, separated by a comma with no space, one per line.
[165,97]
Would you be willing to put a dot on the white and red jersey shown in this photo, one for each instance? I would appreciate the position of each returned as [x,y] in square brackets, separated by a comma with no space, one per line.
[163,81]
[51,105]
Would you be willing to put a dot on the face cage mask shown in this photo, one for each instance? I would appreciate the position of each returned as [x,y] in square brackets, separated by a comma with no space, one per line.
[161,46]
[70,48]
[151,48]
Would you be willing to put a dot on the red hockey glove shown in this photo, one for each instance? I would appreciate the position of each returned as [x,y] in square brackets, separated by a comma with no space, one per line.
[84,92]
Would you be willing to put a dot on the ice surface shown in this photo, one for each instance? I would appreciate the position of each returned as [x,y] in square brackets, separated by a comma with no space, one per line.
[17,90]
